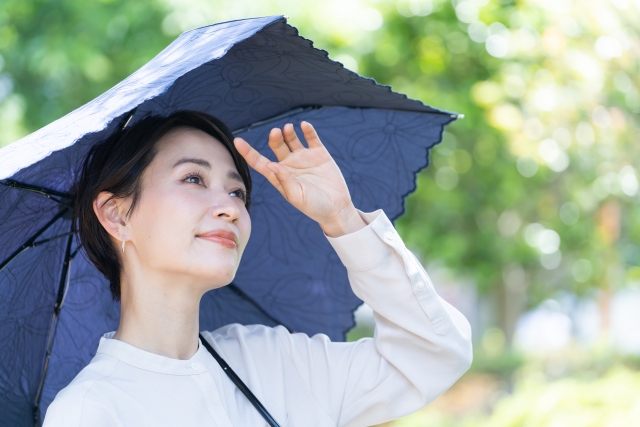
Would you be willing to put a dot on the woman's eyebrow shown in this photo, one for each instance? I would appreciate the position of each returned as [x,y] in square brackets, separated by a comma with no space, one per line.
[200,162]
[235,176]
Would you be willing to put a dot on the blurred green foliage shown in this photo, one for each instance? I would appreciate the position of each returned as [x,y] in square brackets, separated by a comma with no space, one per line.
[536,401]
[56,56]
[534,191]
[577,402]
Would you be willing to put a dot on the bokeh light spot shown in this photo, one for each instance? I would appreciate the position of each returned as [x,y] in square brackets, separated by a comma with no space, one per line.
[527,165]
[581,270]
[447,178]
[585,134]
[569,213]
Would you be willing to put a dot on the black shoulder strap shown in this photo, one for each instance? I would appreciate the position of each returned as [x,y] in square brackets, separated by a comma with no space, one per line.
[238,382]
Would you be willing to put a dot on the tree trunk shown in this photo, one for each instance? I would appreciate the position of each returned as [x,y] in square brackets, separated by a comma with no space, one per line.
[609,232]
[512,296]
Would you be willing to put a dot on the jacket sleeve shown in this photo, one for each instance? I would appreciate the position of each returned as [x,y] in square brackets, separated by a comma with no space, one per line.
[421,345]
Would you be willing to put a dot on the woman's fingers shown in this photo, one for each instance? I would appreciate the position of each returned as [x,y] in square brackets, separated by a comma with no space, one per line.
[256,160]
[289,188]
[284,142]
[310,135]
[291,138]
[277,144]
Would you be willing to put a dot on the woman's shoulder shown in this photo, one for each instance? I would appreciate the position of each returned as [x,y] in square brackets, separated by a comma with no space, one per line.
[257,334]
[248,334]
[262,339]
[66,407]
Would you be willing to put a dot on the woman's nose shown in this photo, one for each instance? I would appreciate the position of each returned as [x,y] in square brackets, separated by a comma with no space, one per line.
[225,207]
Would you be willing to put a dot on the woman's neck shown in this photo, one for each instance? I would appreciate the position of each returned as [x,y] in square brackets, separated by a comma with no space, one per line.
[160,317]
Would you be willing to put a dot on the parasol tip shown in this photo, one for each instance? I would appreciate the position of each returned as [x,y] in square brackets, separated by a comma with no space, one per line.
[457,116]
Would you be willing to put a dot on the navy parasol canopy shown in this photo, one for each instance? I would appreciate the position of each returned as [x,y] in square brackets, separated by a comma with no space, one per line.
[254,74]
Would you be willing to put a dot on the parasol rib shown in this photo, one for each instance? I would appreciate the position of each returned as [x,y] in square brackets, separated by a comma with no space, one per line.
[74,253]
[64,283]
[59,236]
[277,117]
[30,242]
[299,110]
[35,189]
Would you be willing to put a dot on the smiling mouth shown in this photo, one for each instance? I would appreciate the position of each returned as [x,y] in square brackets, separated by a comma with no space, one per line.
[227,239]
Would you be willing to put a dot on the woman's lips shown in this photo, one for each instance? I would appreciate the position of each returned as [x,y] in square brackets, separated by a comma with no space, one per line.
[228,239]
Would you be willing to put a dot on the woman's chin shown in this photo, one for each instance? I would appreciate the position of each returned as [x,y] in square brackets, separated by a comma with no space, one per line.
[209,270]
[217,278]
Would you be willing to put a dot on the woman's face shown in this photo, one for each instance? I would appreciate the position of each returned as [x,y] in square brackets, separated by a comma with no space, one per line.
[190,221]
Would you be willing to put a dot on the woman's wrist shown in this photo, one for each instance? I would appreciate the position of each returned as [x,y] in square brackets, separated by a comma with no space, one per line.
[347,222]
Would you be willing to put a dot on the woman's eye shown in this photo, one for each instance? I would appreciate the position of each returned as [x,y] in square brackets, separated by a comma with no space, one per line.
[239,193]
[193,179]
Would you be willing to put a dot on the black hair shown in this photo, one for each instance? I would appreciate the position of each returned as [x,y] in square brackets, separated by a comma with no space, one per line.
[116,165]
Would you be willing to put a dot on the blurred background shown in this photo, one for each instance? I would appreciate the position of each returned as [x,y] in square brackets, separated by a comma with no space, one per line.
[527,217]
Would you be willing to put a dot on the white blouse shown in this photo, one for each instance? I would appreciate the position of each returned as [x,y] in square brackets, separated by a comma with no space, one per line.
[422,345]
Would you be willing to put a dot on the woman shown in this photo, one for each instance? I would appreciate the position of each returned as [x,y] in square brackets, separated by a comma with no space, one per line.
[162,209]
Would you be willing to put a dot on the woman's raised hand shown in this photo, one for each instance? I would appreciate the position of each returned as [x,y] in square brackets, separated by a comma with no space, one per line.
[308,178]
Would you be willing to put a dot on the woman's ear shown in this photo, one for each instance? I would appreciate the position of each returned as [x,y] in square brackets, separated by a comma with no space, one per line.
[111,214]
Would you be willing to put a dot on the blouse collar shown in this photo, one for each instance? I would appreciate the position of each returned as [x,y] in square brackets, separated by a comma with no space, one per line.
[134,356]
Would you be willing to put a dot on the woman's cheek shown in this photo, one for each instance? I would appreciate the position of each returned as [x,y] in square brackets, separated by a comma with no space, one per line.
[244,229]
[163,221]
